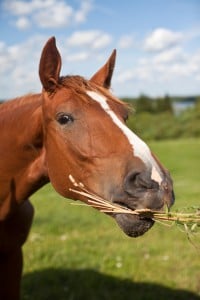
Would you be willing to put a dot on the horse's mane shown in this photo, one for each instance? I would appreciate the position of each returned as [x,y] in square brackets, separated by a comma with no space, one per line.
[18,102]
[13,109]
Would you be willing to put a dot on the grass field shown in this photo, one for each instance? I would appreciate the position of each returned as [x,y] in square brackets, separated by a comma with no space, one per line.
[75,252]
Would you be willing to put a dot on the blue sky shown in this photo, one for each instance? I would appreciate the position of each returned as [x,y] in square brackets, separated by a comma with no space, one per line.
[157,42]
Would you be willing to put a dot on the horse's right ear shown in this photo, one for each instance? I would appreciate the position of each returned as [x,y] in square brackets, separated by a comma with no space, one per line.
[50,65]
[104,75]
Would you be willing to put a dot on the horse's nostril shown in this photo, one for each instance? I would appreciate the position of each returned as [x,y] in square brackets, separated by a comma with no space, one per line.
[131,178]
[130,182]
[135,181]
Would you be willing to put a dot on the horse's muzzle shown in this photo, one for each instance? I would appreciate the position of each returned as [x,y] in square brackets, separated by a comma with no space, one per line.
[141,192]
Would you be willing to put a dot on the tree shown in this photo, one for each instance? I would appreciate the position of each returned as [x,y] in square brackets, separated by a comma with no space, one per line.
[144,104]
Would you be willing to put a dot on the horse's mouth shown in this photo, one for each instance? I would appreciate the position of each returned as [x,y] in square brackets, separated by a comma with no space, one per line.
[133,225]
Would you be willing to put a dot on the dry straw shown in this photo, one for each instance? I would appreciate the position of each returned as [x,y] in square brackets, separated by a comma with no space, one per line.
[188,221]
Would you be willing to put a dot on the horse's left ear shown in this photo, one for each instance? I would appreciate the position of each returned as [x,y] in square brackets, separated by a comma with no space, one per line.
[50,65]
[104,75]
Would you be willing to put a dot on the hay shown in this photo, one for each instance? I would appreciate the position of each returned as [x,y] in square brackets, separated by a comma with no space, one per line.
[190,221]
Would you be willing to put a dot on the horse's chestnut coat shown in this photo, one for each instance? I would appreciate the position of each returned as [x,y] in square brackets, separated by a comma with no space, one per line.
[75,126]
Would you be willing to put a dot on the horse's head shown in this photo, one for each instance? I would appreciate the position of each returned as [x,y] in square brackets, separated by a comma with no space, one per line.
[86,136]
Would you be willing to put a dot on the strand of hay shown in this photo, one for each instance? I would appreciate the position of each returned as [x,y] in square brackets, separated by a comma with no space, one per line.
[190,221]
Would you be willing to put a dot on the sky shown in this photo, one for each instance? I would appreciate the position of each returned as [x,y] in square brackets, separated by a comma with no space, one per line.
[157,42]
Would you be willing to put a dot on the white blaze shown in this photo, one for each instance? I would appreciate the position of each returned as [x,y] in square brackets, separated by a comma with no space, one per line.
[140,148]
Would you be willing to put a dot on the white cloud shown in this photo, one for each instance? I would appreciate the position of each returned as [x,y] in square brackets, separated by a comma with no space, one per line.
[192,34]
[177,64]
[170,55]
[125,41]
[22,23]
[95,39]
[47,13]
[161,39]
[124,76]
[197,77]
[80,56]
[20,8]
[195,60]
[139,73]
[55,16]
[81,14]
[83,38]
[165,68]
[19,66]
[19,62]
[102,41]
[173,67]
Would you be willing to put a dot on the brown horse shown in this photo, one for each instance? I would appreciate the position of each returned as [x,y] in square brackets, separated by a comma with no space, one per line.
[75,126]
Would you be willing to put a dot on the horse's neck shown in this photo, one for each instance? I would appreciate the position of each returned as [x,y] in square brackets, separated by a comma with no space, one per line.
[22,164]
[20,128]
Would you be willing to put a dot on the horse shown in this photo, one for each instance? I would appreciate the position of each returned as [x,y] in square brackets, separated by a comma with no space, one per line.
[74,126]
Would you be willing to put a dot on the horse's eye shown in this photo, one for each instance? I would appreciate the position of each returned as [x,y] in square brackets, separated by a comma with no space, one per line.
[125,118]
[63,118]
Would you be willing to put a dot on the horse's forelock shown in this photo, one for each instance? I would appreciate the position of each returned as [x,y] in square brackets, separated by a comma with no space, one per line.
[79,85]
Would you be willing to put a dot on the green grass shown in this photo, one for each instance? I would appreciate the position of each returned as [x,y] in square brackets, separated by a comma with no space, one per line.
[75,252]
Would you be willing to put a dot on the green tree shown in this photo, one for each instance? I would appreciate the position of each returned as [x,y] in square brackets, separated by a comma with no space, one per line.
[144,104]
[163,105]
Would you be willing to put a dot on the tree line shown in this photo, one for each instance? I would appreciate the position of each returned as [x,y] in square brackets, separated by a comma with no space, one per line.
[156,119]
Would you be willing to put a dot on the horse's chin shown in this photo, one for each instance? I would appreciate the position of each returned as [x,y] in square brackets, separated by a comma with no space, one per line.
[133,225]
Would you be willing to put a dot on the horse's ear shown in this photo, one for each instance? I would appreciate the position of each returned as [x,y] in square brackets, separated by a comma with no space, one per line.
[104,75]
[50,65]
